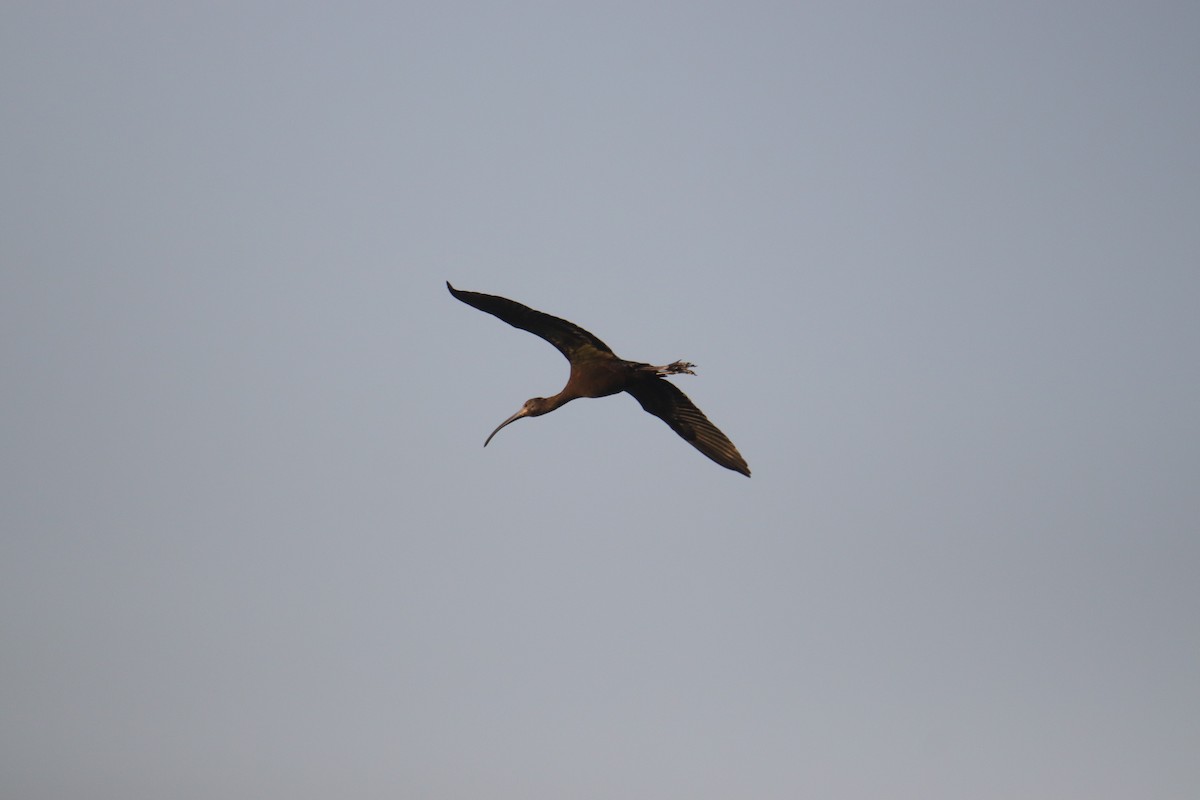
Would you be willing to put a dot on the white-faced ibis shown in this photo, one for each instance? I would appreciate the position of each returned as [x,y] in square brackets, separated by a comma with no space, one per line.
[597,372]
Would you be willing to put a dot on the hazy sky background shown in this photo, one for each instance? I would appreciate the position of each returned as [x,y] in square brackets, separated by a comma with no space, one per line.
[939,266]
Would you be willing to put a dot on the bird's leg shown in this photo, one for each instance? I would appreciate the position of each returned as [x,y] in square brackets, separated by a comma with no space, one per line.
[674,368]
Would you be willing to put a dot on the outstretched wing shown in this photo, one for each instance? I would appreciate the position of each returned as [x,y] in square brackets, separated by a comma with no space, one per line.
[568,337]
[664,400]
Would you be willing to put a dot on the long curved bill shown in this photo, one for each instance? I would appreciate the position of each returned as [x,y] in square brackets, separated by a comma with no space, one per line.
[513,418]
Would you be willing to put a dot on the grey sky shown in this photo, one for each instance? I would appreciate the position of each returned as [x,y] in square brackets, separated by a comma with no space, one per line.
[938,264]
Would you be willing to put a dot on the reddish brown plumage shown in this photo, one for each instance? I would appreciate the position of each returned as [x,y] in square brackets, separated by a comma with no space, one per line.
[597,372]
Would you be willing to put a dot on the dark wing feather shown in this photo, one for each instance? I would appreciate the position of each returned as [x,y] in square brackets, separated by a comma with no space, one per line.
[568,337]
[664,400]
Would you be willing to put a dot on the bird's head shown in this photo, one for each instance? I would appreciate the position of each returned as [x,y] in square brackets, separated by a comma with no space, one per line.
[533,407]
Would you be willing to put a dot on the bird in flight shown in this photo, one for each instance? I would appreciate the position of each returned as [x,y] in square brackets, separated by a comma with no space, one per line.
[598,372]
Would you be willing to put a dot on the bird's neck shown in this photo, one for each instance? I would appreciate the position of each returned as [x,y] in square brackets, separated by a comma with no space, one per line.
[550,403]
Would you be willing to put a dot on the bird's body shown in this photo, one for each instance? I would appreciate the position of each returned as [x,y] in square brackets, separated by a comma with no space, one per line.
[598,372]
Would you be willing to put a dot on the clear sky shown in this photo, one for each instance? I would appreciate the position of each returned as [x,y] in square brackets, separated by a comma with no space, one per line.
[939,266]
